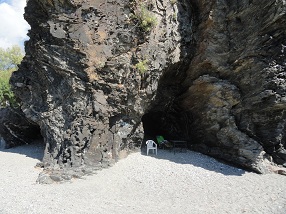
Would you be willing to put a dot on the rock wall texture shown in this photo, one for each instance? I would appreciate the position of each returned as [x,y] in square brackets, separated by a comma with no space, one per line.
[211,72]
[90,72]
[236,82]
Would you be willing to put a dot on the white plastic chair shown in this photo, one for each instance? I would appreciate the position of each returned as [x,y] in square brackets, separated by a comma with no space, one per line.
[151,145]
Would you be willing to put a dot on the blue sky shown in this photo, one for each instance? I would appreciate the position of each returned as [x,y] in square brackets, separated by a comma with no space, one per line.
[13,27]
[5,1]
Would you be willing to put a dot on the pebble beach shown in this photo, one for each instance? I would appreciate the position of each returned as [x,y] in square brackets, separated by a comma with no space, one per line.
[181,183]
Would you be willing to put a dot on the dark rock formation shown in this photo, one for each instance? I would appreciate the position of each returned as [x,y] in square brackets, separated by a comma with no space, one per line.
[91,71]
[231,104]
[211,72]
[16,129]
[236,82]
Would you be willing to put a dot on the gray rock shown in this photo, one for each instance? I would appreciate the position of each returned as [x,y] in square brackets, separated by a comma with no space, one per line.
[45,179]
[2,143]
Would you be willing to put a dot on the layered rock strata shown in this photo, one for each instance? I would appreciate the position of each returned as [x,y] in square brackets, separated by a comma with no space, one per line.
[236,82]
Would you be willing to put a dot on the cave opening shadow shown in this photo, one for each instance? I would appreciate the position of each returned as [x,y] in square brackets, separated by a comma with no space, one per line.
[153,125]
[35,149]
[199,160]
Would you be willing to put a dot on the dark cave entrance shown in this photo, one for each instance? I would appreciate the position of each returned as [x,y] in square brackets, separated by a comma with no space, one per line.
[174,125]
[166,115]
[153,125]
[16,129]
[20,134]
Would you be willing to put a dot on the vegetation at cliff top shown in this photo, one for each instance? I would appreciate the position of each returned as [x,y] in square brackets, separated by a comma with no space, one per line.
[9,60]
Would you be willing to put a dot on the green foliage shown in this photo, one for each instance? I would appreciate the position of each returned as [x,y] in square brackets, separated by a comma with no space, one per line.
[145,17]
[142,66]
[9,60]
[6,95]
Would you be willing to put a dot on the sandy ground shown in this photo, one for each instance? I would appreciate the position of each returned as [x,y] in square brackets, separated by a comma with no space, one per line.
[181,183]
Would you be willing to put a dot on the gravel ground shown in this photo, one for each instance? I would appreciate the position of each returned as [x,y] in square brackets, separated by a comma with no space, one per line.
[181,183]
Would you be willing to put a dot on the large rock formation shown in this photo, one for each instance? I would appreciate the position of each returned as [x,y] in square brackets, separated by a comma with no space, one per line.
[236,82]
[211,72]
[90,72]
[231,104]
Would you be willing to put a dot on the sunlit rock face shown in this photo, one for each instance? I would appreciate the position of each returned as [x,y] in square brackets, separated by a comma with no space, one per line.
[236,82]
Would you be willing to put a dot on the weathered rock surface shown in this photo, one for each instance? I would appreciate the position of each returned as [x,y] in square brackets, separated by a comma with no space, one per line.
[91,71]
[231,103]
[16,129]
[211,72]
[236,82]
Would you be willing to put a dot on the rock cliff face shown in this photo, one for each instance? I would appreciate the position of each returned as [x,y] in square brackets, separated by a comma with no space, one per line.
[91,71]
[211,72]
[236,82]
